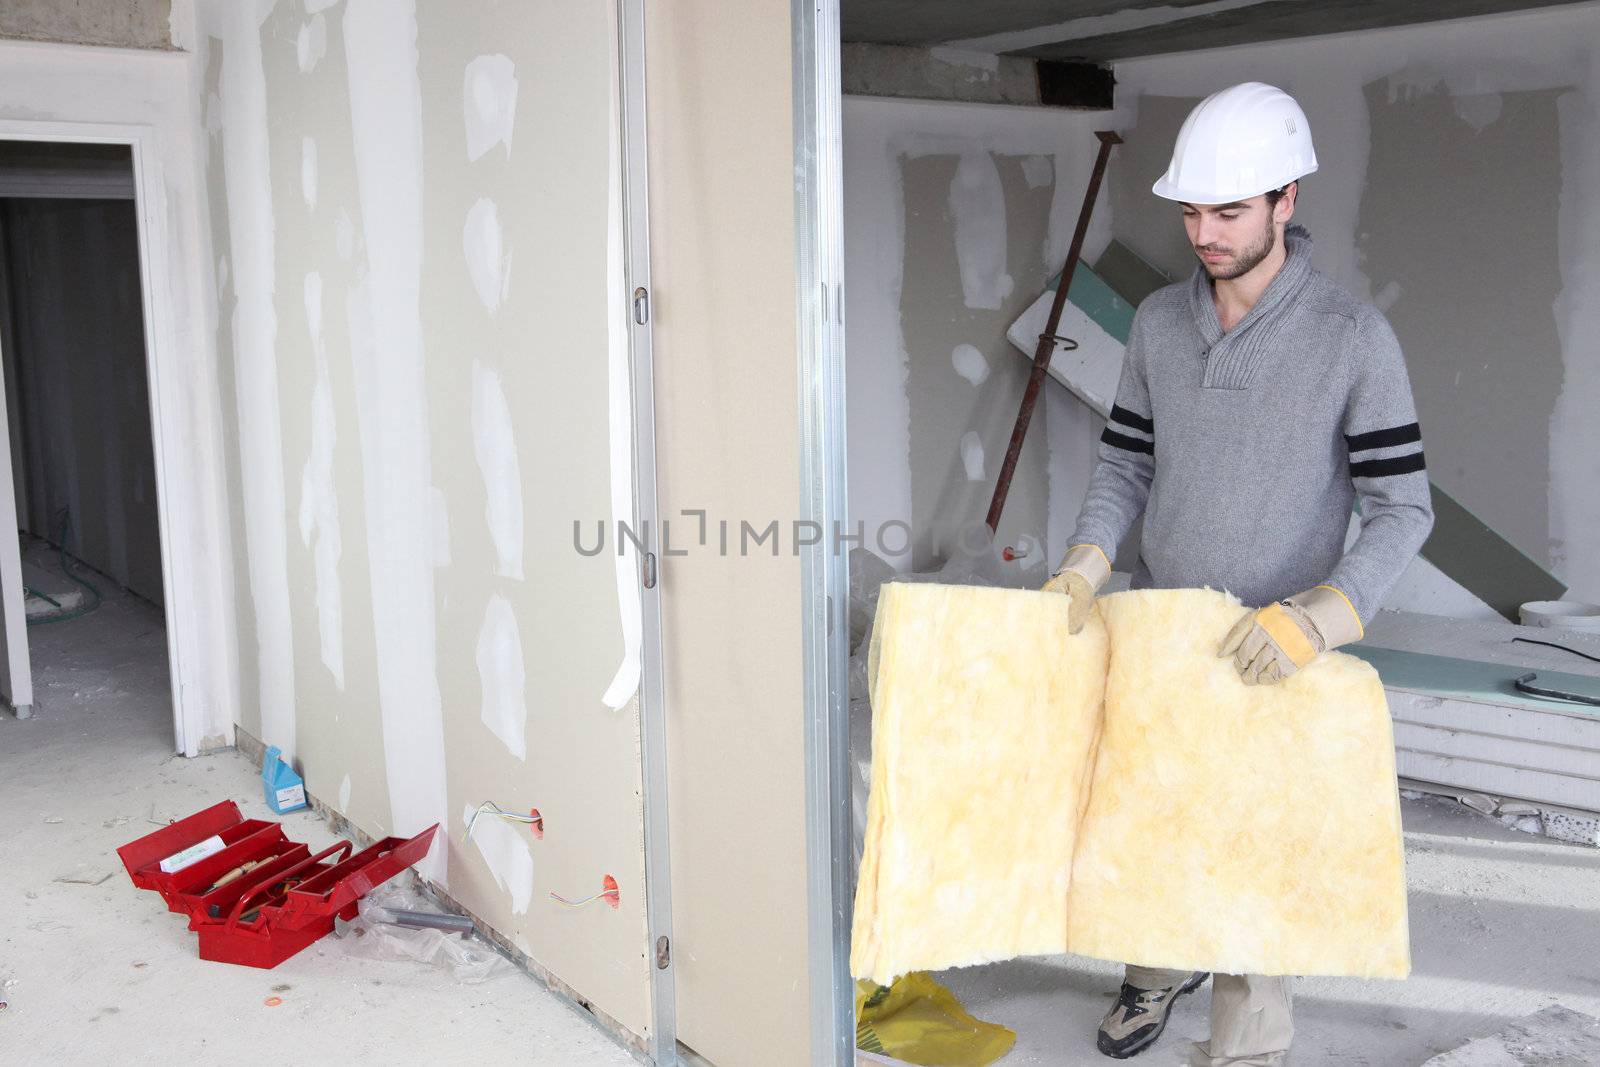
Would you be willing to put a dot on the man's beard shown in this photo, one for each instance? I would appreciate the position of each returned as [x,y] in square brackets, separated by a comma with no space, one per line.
[1246,260]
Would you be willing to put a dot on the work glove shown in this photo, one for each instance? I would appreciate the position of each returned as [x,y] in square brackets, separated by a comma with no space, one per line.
[1084,569]
[1269,645]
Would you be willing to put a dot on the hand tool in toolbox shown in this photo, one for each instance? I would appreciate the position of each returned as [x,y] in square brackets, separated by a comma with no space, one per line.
[263,897]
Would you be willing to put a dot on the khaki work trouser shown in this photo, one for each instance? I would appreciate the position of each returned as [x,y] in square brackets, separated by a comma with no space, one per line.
[1251,1018]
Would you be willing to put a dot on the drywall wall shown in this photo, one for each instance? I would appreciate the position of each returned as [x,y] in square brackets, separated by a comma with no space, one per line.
[1457,190]
[149,97]
[122,23]
[956,217]
[412,210]
[77,387]
[727,408]
[974,225]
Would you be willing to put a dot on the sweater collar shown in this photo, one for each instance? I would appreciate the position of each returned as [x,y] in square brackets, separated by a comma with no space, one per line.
[1291,277]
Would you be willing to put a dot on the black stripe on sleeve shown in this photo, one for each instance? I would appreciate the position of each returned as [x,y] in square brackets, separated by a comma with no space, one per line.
[1129,418]
[1383,468]
[1394,435]
[1126,443]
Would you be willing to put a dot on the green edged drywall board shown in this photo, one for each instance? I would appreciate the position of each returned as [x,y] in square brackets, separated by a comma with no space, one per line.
[1476,680]
[1090,293]
[1128,274]
[1490,567]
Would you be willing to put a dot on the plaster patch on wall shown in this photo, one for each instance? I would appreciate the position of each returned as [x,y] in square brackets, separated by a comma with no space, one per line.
[441,527]
[242,115]
[344,795]
[972,455]
[619,408]
[500,671]
[496,450]
[213,113]
[1479,110]
[380,40]
[319,501]
[489,104]
[488,260]
[1039,170]
[308,171]
[344,236]
[507,855]
[314,6]
[978,204]
[1388,296]
[969,363]
[311,43]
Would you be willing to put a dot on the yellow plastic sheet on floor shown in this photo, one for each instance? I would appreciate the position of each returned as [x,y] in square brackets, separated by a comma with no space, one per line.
[917,1020]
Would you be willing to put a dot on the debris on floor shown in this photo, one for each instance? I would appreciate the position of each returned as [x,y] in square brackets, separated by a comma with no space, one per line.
[374,934]
[1575,827]
[84,874]
[1554,1037]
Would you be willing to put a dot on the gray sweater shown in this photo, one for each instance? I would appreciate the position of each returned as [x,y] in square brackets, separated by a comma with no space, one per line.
[1246,449]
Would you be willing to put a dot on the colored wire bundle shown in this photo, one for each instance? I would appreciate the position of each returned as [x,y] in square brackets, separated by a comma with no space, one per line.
[559,899]
[489,807]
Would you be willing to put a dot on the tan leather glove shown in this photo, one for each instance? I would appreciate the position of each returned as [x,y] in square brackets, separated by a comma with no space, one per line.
[1271,644]
[1084,569]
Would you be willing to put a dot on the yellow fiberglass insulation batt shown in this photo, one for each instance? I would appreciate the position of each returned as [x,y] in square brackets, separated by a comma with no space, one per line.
[1227,827]
[984,713]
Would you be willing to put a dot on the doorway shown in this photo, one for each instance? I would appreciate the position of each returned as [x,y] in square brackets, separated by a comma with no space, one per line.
[82,584]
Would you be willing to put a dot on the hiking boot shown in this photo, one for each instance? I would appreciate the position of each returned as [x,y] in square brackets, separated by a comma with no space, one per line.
[1139,1015]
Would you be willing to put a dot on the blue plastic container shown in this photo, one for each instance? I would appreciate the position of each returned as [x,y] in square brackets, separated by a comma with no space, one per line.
[284,789]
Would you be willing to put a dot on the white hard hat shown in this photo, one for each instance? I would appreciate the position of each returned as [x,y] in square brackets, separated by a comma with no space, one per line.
[1238,143]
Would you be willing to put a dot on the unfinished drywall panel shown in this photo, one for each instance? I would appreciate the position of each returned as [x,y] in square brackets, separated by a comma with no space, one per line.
[122,23]
[975,229]
[1472,181]
[82,394]
[450,645]
[152,97]
[238,119]
[520,396]
[924,368]
[722,163]
[1519,122]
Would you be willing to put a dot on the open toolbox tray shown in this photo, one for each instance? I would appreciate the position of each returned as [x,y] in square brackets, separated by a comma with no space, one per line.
[287,899]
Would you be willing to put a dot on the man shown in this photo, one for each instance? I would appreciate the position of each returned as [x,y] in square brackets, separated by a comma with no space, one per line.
[1258,401]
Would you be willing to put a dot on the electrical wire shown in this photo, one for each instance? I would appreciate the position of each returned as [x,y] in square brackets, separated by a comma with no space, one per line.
[1552,644]
[559,899]
[489,807]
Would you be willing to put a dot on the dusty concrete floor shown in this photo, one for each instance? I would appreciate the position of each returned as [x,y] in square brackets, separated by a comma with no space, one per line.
[102,973]
[1502,924]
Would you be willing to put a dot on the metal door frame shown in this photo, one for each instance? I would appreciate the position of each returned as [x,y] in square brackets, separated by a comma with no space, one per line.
[663,1039]
[819,306]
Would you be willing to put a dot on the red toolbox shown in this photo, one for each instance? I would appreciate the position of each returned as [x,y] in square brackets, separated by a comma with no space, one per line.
[262,898]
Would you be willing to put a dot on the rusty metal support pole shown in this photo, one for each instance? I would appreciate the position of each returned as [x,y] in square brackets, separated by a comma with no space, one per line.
[1047,340]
